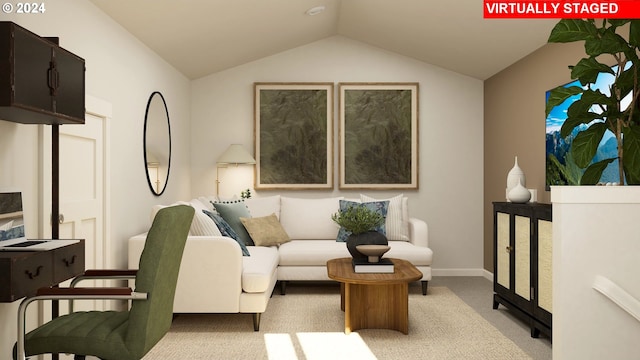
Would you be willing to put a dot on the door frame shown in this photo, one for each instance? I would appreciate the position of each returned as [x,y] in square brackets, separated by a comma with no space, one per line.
[101,109]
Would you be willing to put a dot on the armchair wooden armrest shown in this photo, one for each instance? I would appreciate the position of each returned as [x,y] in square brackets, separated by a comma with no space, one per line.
[76,291]
[116,274]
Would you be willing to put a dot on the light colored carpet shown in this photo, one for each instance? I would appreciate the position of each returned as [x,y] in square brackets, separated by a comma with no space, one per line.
[307,323]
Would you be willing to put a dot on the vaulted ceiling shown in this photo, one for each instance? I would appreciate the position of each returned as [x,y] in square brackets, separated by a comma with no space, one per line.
[200,37]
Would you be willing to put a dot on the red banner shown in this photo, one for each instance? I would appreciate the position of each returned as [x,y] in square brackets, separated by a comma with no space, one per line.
[518,9]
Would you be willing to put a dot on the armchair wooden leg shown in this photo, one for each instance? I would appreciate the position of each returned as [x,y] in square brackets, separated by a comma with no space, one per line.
[256,321]
[283,287]
[424,287]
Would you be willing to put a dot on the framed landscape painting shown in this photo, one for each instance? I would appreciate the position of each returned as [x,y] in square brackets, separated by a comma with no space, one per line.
[560,166]
[378,135]
[293,135]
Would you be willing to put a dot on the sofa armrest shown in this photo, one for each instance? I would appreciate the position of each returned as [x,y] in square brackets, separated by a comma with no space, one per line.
[418,232]
[210,274]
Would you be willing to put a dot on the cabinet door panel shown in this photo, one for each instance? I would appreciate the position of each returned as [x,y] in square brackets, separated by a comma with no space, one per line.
[523,256]
[545,272]
[70,93]
[32,61]
[502,251]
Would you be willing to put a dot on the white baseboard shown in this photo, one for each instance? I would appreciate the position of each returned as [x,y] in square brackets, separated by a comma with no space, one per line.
[460,272]
[488,275]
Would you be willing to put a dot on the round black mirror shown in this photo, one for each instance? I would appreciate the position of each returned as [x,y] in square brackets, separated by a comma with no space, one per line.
[157,143]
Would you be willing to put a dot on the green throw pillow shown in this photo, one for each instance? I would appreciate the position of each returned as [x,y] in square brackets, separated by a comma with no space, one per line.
[226,230]
[231,213]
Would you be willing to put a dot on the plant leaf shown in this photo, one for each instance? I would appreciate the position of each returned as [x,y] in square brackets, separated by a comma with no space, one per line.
[588,100]
[608,43]
[580,111]
[559,95]
[593,173]
[618,22]
[631,154]
[634,33]
[570,30]
[588,69]
[571,122]
[626,80]
[585,145]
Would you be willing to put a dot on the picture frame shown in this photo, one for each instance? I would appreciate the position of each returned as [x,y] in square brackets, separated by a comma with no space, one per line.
[560,166]
[378,135]
[293,135]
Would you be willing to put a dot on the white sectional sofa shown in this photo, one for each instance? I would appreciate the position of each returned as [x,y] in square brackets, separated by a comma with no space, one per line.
[215,277]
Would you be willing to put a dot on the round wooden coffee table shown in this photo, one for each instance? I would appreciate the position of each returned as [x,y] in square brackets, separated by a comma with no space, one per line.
[374,300]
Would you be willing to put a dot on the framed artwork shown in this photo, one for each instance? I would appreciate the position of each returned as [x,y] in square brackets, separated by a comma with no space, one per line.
[293,135]
[560,166]
[378,135]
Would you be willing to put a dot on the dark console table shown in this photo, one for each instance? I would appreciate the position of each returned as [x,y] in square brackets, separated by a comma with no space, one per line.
[523,244]
[26,271]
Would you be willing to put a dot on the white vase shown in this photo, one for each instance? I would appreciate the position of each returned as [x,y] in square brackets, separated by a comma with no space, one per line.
[519,194]
[515,176]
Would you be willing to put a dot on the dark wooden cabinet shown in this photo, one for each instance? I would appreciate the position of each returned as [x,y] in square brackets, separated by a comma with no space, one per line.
[40,82]
[523,262]
[24,272]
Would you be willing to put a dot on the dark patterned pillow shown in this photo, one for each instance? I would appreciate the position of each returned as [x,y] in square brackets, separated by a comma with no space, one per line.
[227,231]
[12,233]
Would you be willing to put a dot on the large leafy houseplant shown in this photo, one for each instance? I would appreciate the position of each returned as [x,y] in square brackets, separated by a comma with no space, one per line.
[598,110]
[358,219]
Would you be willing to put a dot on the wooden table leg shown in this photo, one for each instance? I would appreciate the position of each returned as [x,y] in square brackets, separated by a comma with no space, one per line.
[348,308]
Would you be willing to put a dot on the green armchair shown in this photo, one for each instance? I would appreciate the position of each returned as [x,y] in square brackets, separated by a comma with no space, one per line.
[117,335]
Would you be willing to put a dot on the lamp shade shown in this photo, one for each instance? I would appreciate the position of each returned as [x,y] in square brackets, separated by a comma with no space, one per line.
[236,154]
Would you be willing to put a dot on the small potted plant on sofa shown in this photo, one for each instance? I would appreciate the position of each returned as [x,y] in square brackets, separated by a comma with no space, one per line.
[361,226]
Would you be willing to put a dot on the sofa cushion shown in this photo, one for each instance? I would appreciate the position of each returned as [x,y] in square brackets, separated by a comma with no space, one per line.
[318,252]
[227,231]
[417,255]
[231,213]
[263,206]
[397,221]
[265,230]
[311,252]
[258,269]
[309,218]
[377,206]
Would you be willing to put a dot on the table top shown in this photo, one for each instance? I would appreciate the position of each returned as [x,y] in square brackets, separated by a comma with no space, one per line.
[342,270]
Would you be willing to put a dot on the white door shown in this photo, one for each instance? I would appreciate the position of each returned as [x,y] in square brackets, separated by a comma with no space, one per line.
[83,189]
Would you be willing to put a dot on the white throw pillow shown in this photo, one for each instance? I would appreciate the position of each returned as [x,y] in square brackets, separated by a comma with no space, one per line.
[309,218]
[7,226]
[397,222]
[206,202]
[263,206]
[202,224]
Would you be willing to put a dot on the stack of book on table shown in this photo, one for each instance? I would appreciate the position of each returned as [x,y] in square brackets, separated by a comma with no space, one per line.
[364,266]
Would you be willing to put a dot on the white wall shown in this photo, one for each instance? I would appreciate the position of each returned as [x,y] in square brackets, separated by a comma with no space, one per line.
[123,72]
[595,233]
[450,197]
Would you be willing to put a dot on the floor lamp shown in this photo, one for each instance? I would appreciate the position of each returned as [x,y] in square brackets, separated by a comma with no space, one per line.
[236,155]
